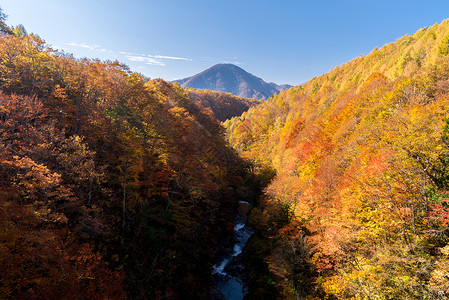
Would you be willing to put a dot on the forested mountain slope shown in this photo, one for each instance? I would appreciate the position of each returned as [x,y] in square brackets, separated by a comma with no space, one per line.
[359,205]
[223,105]
[111,185]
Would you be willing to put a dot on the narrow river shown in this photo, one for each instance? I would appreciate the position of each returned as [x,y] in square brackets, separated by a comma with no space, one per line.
[228,273]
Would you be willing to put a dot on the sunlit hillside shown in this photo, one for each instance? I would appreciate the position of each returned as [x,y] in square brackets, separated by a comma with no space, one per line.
[359,206]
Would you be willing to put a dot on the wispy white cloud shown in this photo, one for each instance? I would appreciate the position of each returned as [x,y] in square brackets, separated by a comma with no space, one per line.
[145,59]
[157,56]
[148,59]
[86,46]
[170,57]
[128,53]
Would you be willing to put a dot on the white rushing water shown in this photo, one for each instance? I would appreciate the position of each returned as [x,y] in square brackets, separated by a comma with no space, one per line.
[219,268]
[232,286]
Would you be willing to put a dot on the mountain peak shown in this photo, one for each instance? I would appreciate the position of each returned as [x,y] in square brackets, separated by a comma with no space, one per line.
[229,78]
[226,66]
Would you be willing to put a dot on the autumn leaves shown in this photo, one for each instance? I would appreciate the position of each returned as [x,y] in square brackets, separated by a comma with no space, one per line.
[361,160]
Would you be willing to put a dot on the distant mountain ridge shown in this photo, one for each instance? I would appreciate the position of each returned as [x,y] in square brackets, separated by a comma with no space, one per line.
[232,79]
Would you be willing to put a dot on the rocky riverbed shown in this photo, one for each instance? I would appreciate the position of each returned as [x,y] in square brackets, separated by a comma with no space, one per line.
[229,272]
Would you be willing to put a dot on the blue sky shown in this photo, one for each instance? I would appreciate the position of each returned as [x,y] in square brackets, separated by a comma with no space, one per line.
[282,41]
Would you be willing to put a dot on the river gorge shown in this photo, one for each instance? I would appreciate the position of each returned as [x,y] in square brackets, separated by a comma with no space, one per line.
[229,272]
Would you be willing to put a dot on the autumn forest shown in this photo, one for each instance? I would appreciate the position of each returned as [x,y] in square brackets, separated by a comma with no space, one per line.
[117,186]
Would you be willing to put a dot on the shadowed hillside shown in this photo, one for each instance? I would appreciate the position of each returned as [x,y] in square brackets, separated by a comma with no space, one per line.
[223,105]
[111,185]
